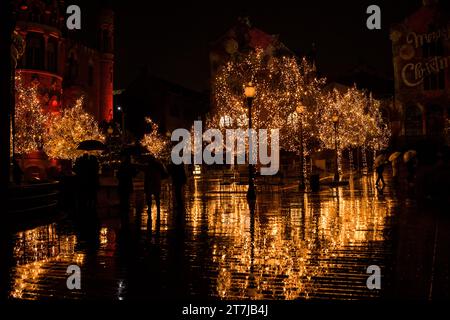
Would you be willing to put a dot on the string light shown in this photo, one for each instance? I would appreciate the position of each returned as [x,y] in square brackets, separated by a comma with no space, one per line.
[360,123]
[282,84]
[67,129]
[156,144]
[30,118]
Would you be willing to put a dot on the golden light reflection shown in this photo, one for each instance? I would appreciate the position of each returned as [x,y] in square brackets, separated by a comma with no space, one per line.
[291,244]
[35,251]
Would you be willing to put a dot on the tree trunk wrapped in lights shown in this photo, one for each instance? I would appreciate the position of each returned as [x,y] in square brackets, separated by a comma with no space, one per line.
[68,129]
[30,119]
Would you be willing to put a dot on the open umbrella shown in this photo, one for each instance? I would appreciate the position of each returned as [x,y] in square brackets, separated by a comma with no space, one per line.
[91,145]
[408,155]
[394,156]
[380,160]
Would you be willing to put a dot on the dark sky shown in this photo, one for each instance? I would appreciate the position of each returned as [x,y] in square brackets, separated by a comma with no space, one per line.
[171,39]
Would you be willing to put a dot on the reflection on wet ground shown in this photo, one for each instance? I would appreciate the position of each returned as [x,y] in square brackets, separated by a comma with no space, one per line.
[287,245]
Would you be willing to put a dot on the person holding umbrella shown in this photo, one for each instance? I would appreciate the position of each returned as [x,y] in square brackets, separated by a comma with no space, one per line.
[125,175]
[380,162]
[154,172]
[86,169]
[82,180]
[395,163]
[410,159]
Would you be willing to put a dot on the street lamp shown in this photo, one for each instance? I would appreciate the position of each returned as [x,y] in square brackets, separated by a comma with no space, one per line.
[335,120]
[122,115]
[250,92]
[300,111]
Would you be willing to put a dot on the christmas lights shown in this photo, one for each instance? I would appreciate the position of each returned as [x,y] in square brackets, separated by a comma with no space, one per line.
[156,144]
[69,128]
[30,118]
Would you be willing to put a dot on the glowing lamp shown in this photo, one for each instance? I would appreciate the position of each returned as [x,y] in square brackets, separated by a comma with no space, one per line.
[54,103]
[300,109]
[250,90]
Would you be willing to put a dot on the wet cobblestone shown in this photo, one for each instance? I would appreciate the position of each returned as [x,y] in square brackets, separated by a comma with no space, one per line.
[292,246]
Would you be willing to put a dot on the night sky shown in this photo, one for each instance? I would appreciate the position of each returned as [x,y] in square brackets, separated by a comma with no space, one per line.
[171,39]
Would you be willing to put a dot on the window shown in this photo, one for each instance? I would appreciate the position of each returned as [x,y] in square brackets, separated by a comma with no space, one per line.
[52,56]
[433,49]
[434,81]
[35,15]
[413,121]
[35,52]
[72,68]
[435,120]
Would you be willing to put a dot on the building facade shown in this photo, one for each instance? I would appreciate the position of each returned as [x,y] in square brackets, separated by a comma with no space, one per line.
[421,59]
[169,105]
[63,63]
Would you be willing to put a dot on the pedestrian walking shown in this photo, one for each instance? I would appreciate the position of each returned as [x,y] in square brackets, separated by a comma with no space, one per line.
[82,181]
[125,175]
[380,163]
[395,164]
[380,170]
[178,181]
[154,173]
[93,168]
[410,160]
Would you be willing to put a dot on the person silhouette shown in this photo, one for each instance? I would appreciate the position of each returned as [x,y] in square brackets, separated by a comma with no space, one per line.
[81,170]
[178,181]
[154,172]
[380,169]
[125,175]
[93,181]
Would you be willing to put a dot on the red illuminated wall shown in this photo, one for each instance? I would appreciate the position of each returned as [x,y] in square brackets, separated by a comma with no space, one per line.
[62,64]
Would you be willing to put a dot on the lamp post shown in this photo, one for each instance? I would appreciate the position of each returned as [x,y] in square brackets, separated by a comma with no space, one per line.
[300,111]
[122,119]
[335,120]
[250,92]
[120,109]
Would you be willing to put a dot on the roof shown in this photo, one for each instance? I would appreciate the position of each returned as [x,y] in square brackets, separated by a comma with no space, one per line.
[426,18]
[244,36]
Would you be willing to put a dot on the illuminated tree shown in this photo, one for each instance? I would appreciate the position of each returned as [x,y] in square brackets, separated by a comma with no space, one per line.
[156,143]
[359,122]
[66,130]
[282,84]
[378,133]
[30,119]
[304,125]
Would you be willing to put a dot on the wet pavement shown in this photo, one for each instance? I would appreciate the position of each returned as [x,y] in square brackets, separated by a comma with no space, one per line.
[288,245]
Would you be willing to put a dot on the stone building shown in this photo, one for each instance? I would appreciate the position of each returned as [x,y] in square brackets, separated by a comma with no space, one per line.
[67,63]
[421,58]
